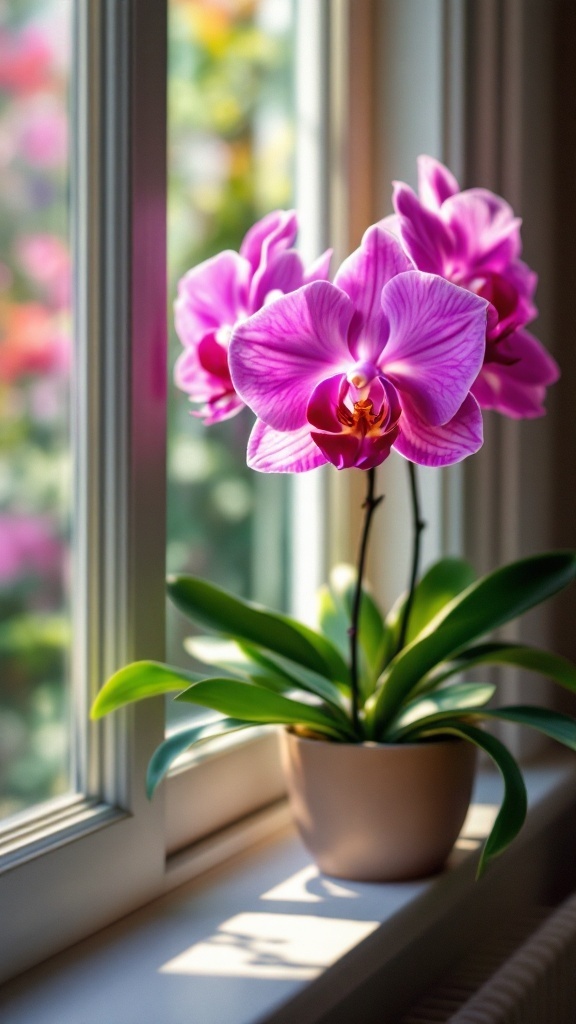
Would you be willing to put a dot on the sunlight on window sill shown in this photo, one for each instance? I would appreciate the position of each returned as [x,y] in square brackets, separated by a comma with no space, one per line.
[266,937]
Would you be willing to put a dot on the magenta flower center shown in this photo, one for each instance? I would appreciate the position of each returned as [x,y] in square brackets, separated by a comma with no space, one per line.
[361,419]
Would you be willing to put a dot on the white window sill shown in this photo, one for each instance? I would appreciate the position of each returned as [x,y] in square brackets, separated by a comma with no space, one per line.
[266,938]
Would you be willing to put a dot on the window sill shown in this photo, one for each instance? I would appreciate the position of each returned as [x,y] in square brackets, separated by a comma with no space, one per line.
[265,938]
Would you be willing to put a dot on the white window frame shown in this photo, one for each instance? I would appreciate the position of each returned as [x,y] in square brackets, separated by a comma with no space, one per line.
[101,854]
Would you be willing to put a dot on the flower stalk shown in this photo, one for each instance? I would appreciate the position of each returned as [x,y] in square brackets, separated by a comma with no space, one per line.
[369,505]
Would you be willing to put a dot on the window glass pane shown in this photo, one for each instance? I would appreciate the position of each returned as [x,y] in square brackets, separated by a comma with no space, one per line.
[231,141]
[34,370]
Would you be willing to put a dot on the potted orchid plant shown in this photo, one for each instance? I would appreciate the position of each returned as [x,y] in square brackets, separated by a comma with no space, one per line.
[421,329]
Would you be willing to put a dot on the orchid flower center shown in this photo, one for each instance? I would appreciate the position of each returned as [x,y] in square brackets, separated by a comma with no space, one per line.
[361,420]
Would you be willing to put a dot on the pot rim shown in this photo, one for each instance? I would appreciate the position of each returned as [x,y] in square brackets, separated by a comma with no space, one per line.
[374,745]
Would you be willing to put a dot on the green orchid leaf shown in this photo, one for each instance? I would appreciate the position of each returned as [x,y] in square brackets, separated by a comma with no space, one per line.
[393,624]
[219,653]
[165,755]
[256,704]
[553,666]
[298,677]
[236,658]
[249,662]
[332,620]
[451,699]
[372,638]
[557,726]
[485,605]
[443,581]
[139,680]
[220,611]
[512,812]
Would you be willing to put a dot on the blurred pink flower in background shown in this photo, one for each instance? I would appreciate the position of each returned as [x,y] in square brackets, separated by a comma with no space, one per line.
[43,132]
[25,60]
[32,341]
[28,546]
[46,259]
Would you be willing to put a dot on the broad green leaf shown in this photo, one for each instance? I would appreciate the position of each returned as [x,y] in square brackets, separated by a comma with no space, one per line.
[371,634]
[535,659]
[333,621]
[255,704]
[264,668]
[234,657]
[559,727]
[554,724]
[220,611]
[512,812]
[451,699]
[164,755]
[439,585]
[297,676]
[139,680]
[493,600]
[393,623]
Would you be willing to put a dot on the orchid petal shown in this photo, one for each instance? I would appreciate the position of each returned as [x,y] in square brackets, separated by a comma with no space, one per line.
[437,342]
[214,393]
[424,235]
[192,377]
[213,294]
[440,445]
[391,223]
[517,388]
[220,409]
[213,357]
[273,245]
[362,276]
[279,355]
[271,234]
[349,451]
[342,450]
[531,362]
[284,273]
[322,410]
[435,182]
[485,230]
[276,451]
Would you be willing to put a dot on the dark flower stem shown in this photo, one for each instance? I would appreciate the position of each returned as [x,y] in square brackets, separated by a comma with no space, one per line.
[369,505]
[418,525]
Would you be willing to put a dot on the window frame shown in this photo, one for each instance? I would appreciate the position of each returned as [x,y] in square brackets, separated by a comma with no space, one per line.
[103,854]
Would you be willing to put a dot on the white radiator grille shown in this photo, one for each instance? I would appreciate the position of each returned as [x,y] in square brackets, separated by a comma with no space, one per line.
[535,984]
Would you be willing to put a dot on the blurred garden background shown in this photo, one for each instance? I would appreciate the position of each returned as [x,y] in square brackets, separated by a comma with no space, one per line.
[230,159]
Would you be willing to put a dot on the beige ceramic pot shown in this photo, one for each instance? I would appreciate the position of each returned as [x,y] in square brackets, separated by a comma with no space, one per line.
[377,812]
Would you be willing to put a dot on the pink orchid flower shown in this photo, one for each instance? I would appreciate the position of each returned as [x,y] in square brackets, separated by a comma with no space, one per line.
[222,292]
[472,238]
[383,358]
